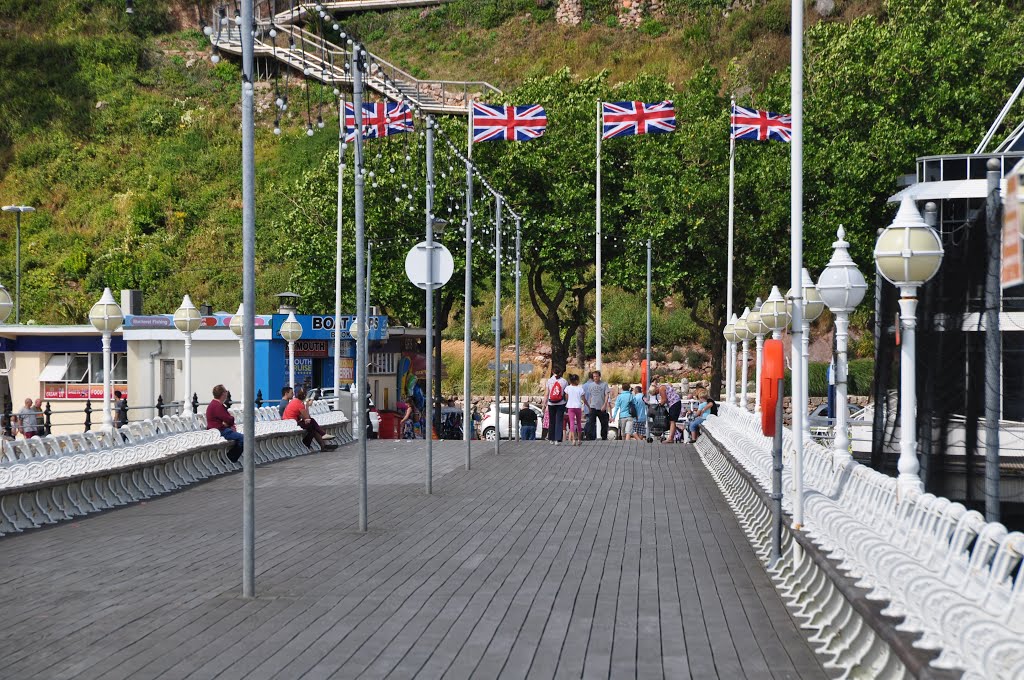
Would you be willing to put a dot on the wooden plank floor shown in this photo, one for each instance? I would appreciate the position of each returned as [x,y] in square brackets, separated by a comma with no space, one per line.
[609,560]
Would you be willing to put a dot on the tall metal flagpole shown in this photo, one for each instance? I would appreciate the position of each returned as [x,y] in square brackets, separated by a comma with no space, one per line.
[597,249]
[467,378]
[797,250]
[515,408]
[360,408]
[249,305]
[430,305]
[369,277]
[647,376]
[497,321]
[730,370]
[337,255]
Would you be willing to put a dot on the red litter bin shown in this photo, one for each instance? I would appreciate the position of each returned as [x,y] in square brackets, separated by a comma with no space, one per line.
[389,421]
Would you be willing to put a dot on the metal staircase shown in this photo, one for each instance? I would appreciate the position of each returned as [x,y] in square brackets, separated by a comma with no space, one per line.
[300,12]
[324,61]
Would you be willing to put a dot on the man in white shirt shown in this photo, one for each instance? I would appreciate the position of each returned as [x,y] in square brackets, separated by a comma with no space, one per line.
[554,402]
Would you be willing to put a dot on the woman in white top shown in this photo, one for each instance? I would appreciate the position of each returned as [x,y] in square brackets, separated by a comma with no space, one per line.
[575,399]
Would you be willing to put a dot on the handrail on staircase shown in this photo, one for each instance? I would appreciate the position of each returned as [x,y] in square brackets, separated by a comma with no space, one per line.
[313,49]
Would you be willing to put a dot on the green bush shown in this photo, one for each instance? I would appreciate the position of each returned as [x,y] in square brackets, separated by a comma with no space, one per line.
[653,28]
[860,376]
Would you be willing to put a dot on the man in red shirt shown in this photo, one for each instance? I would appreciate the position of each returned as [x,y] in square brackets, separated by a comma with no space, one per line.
[296,410]
[218,418]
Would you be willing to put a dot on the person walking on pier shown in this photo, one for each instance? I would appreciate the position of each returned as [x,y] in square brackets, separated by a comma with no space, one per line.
[640,405]
[623,415]
[575,400]
[554,404]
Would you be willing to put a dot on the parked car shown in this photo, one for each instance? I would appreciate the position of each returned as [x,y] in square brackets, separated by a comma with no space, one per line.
[373,429]
[507,422]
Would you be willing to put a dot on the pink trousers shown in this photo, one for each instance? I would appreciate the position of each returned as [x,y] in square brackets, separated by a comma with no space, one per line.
[575,419]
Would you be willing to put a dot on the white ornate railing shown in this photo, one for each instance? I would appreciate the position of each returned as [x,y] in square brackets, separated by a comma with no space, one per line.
[953,579]
[48,479]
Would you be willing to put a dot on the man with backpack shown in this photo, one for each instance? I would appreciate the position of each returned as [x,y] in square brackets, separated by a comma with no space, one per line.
[554,404]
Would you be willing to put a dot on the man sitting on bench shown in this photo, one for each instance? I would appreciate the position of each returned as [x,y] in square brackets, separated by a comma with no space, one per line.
[218,418]
[296,410]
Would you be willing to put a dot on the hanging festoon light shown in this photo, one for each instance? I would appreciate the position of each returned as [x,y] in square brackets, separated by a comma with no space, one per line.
[842,288]
[908,253]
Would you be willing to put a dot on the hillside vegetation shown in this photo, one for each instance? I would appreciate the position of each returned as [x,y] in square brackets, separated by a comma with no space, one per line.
[124,135]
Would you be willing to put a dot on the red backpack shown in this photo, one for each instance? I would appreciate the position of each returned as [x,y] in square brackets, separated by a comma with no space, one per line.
[557,394]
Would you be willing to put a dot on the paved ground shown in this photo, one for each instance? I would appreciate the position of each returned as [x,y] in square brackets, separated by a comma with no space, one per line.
[603,561]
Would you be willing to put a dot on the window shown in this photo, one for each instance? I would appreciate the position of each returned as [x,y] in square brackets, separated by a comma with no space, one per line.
[84,369]
[381,363]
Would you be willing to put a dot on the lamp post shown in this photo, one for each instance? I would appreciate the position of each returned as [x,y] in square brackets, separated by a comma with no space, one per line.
[291,331]
[908,253]
[842,288]
[730,358]
[758,330]
[774,313]
[237,325]
[812,309]
[17,210]
[6,305]
[744,334]
[106,317]
[187,320]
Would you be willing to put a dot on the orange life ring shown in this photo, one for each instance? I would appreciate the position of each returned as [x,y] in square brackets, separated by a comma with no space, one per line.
[772,371]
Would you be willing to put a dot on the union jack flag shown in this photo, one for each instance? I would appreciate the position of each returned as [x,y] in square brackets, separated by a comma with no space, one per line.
[761,125]
[380,119]
[509,123]
[622,119]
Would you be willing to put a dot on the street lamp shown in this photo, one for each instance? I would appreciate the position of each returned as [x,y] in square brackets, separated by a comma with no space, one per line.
[730,358]
[106,317]
[5,304]
[291,331]
[774,313]
[744,334]
[908,253]
[842,288]
[237,325]
[17,210]
[187,320]
[758,330]
[812,309]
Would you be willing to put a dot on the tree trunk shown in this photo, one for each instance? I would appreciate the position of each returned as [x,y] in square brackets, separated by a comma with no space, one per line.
[581,347]
[714,327]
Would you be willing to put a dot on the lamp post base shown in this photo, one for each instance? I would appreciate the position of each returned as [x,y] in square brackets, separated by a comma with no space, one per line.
[907,484]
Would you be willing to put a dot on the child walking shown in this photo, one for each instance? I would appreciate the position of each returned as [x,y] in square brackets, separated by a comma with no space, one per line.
[575,399]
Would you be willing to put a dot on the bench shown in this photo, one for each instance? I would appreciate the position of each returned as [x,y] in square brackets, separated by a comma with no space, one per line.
[44,480]
[949,578]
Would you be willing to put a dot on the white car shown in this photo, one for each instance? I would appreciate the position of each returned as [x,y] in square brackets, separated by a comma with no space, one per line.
[327,393]
[507,423]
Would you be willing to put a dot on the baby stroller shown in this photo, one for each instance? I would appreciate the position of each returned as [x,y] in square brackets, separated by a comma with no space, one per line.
[658,420]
